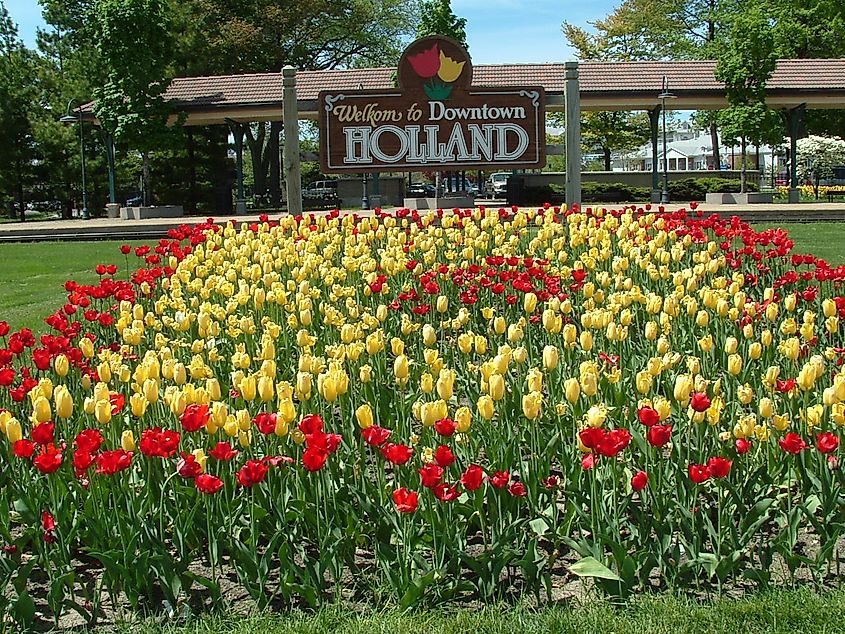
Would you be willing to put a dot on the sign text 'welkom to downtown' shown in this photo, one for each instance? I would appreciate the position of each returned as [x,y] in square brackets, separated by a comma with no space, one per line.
[435,119]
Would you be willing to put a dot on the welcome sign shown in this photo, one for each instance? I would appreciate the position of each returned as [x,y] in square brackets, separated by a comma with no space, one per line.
[435,119]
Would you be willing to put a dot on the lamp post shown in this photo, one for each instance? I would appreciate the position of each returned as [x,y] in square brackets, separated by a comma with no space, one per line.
[68,117]
[663,96]
[365,198]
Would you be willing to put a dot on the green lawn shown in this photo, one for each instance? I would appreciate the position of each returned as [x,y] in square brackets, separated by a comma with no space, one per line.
[32,275]
[822,239]
[786,611]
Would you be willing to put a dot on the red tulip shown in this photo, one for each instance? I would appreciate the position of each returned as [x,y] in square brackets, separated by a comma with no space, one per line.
[187,466]
[253,472]
[266,422]
[406,501]
[588,461]
[742,445]
[700,402]
[207,483]
[639,481]
[427,63]
[375,435]
[223,451]
[613,442]
[792,443]
[43,434]
[117,402]
[446,492]
[89,440]
[48,522]
[648,416]
[311,423]
[444,456]
[473,477]
[719,467]
[517,489]
[23,448]
[500,479]
[430,475]
[82,461]
[314,459]
[827,442]
[156,442]
[445,426]
[112,462]
[49,460]
[195,417]
[591,437]
[698,473]
[396,454]
[659,435]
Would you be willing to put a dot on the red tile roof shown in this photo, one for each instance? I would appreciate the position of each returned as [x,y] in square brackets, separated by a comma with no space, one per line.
[688,77]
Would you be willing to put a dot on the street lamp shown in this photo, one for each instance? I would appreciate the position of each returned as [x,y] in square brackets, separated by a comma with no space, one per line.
[663,96]
[68,118]
[365,199]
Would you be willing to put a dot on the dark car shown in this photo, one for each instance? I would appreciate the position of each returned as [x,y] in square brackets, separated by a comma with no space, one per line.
[420,190]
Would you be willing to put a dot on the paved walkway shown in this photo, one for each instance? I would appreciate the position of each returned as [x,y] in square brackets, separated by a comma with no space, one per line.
[115,228]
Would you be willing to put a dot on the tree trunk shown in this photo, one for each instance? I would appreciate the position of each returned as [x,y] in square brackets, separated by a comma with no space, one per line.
[714,140]
[259,163]
[743,175]
[19,175]
[274,164]
[192,172]
[147,194]
[607,159]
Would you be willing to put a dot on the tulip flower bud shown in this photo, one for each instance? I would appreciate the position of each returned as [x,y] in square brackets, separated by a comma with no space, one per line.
[400,367]
[683,388]
[572,389]
[265,388]
[463,419]
[442,304]
[551,358]
[643,382]
[520,355]
[365,374]
[102,412]
[61,365]
[486,407]
[127,440]
[364,416]
[13,430]
[531,404]
[496,387]
[529,302]
[500,325]
[63,401]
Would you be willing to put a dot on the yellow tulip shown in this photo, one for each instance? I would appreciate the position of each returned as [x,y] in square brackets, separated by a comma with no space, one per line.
[496,387]
[13,430]
[127,440]
[400,367]
[102,412]
[449,69]
[63,401]
[463,419]
[61,365]
[551,357]
[596,416]
[138,405]
[364,416]
[486,407]
[531,404]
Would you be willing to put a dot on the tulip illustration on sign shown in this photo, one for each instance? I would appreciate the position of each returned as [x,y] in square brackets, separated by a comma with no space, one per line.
[434,64]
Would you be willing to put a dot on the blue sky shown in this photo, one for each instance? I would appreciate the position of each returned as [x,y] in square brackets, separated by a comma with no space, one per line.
[498,31]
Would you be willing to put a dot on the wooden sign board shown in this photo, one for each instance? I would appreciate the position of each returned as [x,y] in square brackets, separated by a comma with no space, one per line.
[434,120]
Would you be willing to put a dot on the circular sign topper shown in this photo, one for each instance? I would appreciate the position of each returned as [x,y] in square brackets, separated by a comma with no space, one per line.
[435,66]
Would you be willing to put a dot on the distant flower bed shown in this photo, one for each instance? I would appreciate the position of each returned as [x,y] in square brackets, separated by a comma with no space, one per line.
[437,405]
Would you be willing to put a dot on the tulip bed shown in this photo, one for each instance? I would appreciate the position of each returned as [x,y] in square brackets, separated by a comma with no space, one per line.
[421,407]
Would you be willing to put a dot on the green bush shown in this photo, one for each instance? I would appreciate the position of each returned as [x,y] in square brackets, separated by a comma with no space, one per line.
[592,192]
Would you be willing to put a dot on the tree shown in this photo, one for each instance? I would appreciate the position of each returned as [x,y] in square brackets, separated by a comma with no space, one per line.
[437,18]
[744,65]
[817,156]
[134,42]
[17,93]
[614,130]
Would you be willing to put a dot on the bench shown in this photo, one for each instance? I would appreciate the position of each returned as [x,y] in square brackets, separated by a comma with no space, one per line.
[834,192]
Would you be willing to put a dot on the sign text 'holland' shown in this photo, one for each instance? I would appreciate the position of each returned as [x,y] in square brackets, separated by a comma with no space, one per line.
[435,120]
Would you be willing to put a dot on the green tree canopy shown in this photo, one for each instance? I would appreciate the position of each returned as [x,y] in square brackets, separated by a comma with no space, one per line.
[437,18]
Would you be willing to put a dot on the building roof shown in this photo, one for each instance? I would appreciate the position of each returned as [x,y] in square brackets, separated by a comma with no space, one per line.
[818,83]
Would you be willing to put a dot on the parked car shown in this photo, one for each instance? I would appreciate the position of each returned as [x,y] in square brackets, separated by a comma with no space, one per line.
[420,190]
[497,185]
[321,189]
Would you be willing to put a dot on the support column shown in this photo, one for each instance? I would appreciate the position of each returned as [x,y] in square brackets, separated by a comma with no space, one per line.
[108,142]
[293,178]
[240,200]
[573,135]
[653,119]
[796,116]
